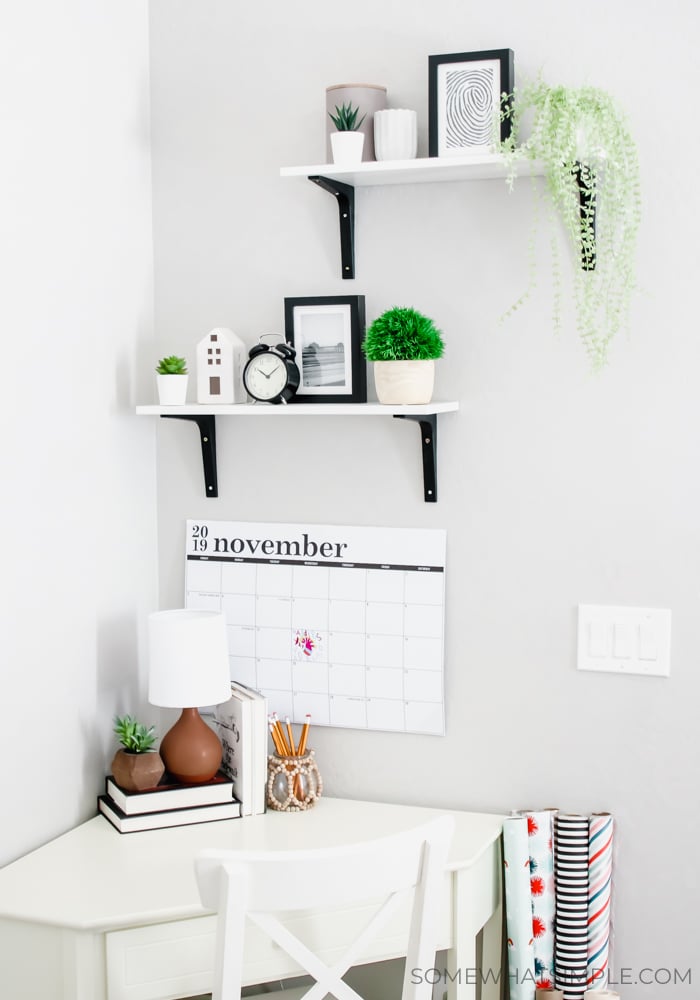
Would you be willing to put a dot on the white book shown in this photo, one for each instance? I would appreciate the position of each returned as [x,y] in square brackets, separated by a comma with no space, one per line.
[260,731]
[170,817]
[170,794]
[233,722]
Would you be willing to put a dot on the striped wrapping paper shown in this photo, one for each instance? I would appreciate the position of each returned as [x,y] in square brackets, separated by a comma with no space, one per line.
[600,851]
[540,829]
[571,921]
[516,864]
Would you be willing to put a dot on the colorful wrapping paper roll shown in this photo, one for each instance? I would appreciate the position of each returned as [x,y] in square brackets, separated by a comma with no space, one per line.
[571,921]
[540,830]
[516,862]
[600,852]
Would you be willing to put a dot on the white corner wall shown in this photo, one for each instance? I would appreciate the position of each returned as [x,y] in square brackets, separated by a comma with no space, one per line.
[555,487]
[78,481]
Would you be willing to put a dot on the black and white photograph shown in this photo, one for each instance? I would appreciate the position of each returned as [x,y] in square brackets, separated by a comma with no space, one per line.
[326,332]
[464,100]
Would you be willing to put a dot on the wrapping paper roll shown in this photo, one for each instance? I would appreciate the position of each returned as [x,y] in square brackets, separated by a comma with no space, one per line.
[571,921]
[516,862]
[600,851]
[540,829]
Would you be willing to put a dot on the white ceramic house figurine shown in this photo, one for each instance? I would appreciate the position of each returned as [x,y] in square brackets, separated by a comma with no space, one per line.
[221,357]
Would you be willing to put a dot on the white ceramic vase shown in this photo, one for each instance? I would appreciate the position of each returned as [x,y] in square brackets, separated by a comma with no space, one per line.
[172,389]
[395,134]
[400,382]
[347,148]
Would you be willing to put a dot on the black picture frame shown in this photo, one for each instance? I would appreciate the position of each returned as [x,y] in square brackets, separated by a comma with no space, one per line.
[327,333]
[460,114]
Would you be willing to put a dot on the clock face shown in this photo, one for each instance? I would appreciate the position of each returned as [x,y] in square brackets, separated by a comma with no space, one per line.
[265,376]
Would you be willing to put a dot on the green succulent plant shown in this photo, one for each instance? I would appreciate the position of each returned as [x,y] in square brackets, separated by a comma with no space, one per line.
[133,736]
[172,365]
[592,183]
[345,118]
[402,334]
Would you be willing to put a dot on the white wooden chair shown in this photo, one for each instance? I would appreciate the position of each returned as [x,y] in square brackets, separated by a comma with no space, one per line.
[264,886]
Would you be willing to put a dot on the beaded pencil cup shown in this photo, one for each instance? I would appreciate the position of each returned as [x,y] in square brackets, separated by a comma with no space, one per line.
[293,783]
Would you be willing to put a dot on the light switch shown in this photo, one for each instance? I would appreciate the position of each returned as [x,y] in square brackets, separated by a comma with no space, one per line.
[624,640]
[599,634]
[648,647]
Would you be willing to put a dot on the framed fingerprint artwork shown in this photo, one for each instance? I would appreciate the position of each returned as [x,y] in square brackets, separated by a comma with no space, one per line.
[464,101]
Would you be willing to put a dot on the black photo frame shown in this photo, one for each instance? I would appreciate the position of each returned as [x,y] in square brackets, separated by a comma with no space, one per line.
[327,333]
[464,100]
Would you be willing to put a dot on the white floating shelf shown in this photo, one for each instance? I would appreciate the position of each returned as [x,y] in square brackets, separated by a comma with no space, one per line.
[204,415]
[430,170]
[296,409]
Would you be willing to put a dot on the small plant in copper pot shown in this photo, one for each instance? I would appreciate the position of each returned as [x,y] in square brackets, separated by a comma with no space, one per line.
[136,766]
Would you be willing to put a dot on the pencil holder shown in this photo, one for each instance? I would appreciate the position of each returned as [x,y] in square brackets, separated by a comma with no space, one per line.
[293,783]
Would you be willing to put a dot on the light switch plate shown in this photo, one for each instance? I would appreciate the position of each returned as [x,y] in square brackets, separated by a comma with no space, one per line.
[622,640]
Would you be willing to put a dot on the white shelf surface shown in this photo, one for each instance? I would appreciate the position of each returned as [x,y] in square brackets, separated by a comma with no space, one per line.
[296,409]
[429,170]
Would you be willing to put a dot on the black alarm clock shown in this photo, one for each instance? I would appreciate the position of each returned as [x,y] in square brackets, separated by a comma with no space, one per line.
[271,374]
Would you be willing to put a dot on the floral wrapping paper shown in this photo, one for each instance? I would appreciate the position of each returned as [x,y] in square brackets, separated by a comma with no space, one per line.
[540,830]
[516,863]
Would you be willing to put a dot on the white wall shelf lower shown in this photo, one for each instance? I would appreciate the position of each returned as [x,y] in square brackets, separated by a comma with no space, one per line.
[342,181]
[425,415]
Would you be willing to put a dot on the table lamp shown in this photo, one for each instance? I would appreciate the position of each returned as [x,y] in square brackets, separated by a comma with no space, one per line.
[188,667]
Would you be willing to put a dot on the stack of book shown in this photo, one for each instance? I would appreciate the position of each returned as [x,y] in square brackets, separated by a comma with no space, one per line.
[171,803]
[241,725]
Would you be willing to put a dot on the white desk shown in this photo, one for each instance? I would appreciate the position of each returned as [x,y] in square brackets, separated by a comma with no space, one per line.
[97,915]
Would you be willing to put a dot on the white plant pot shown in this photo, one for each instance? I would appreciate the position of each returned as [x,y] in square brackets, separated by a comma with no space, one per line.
[395,134]
[172,389]
[347,148]
[400,382]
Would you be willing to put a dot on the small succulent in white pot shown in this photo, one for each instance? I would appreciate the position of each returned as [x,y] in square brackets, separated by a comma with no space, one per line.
[347,142]
[171,377]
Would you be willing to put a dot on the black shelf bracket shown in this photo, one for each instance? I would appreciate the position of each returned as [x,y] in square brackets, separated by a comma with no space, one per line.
[428,438]
[206,422]
[345,195]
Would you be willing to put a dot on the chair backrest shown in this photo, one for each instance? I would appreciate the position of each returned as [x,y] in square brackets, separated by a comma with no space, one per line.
[261,886]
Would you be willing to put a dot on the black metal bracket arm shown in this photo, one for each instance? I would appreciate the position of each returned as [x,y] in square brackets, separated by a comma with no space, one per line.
[206,423]
[345,194]
[428,435]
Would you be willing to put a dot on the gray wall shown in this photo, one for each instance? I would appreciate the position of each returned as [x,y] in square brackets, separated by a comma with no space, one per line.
[555,487]
[78,485]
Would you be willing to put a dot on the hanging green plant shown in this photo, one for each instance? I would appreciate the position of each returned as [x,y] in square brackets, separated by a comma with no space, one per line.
[592,182]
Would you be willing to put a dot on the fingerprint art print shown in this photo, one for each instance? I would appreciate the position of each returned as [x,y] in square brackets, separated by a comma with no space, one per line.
[464,101]
[469,107]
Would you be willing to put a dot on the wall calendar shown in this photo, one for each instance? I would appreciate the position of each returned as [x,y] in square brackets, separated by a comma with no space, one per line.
[343,623]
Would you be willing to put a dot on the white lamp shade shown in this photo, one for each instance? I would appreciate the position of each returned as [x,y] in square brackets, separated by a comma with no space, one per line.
[188,659]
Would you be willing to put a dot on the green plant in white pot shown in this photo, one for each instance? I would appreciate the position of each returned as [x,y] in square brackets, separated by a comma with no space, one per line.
[592,184]
[171,377]
[403,344]
[347,142]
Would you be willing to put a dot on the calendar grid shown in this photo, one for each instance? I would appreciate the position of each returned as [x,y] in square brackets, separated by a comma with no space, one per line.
[357,642]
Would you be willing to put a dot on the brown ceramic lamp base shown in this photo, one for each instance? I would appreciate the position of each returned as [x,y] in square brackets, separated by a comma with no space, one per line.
[190,750]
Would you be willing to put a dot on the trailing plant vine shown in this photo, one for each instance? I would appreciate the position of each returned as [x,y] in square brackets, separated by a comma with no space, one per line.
[592,182]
